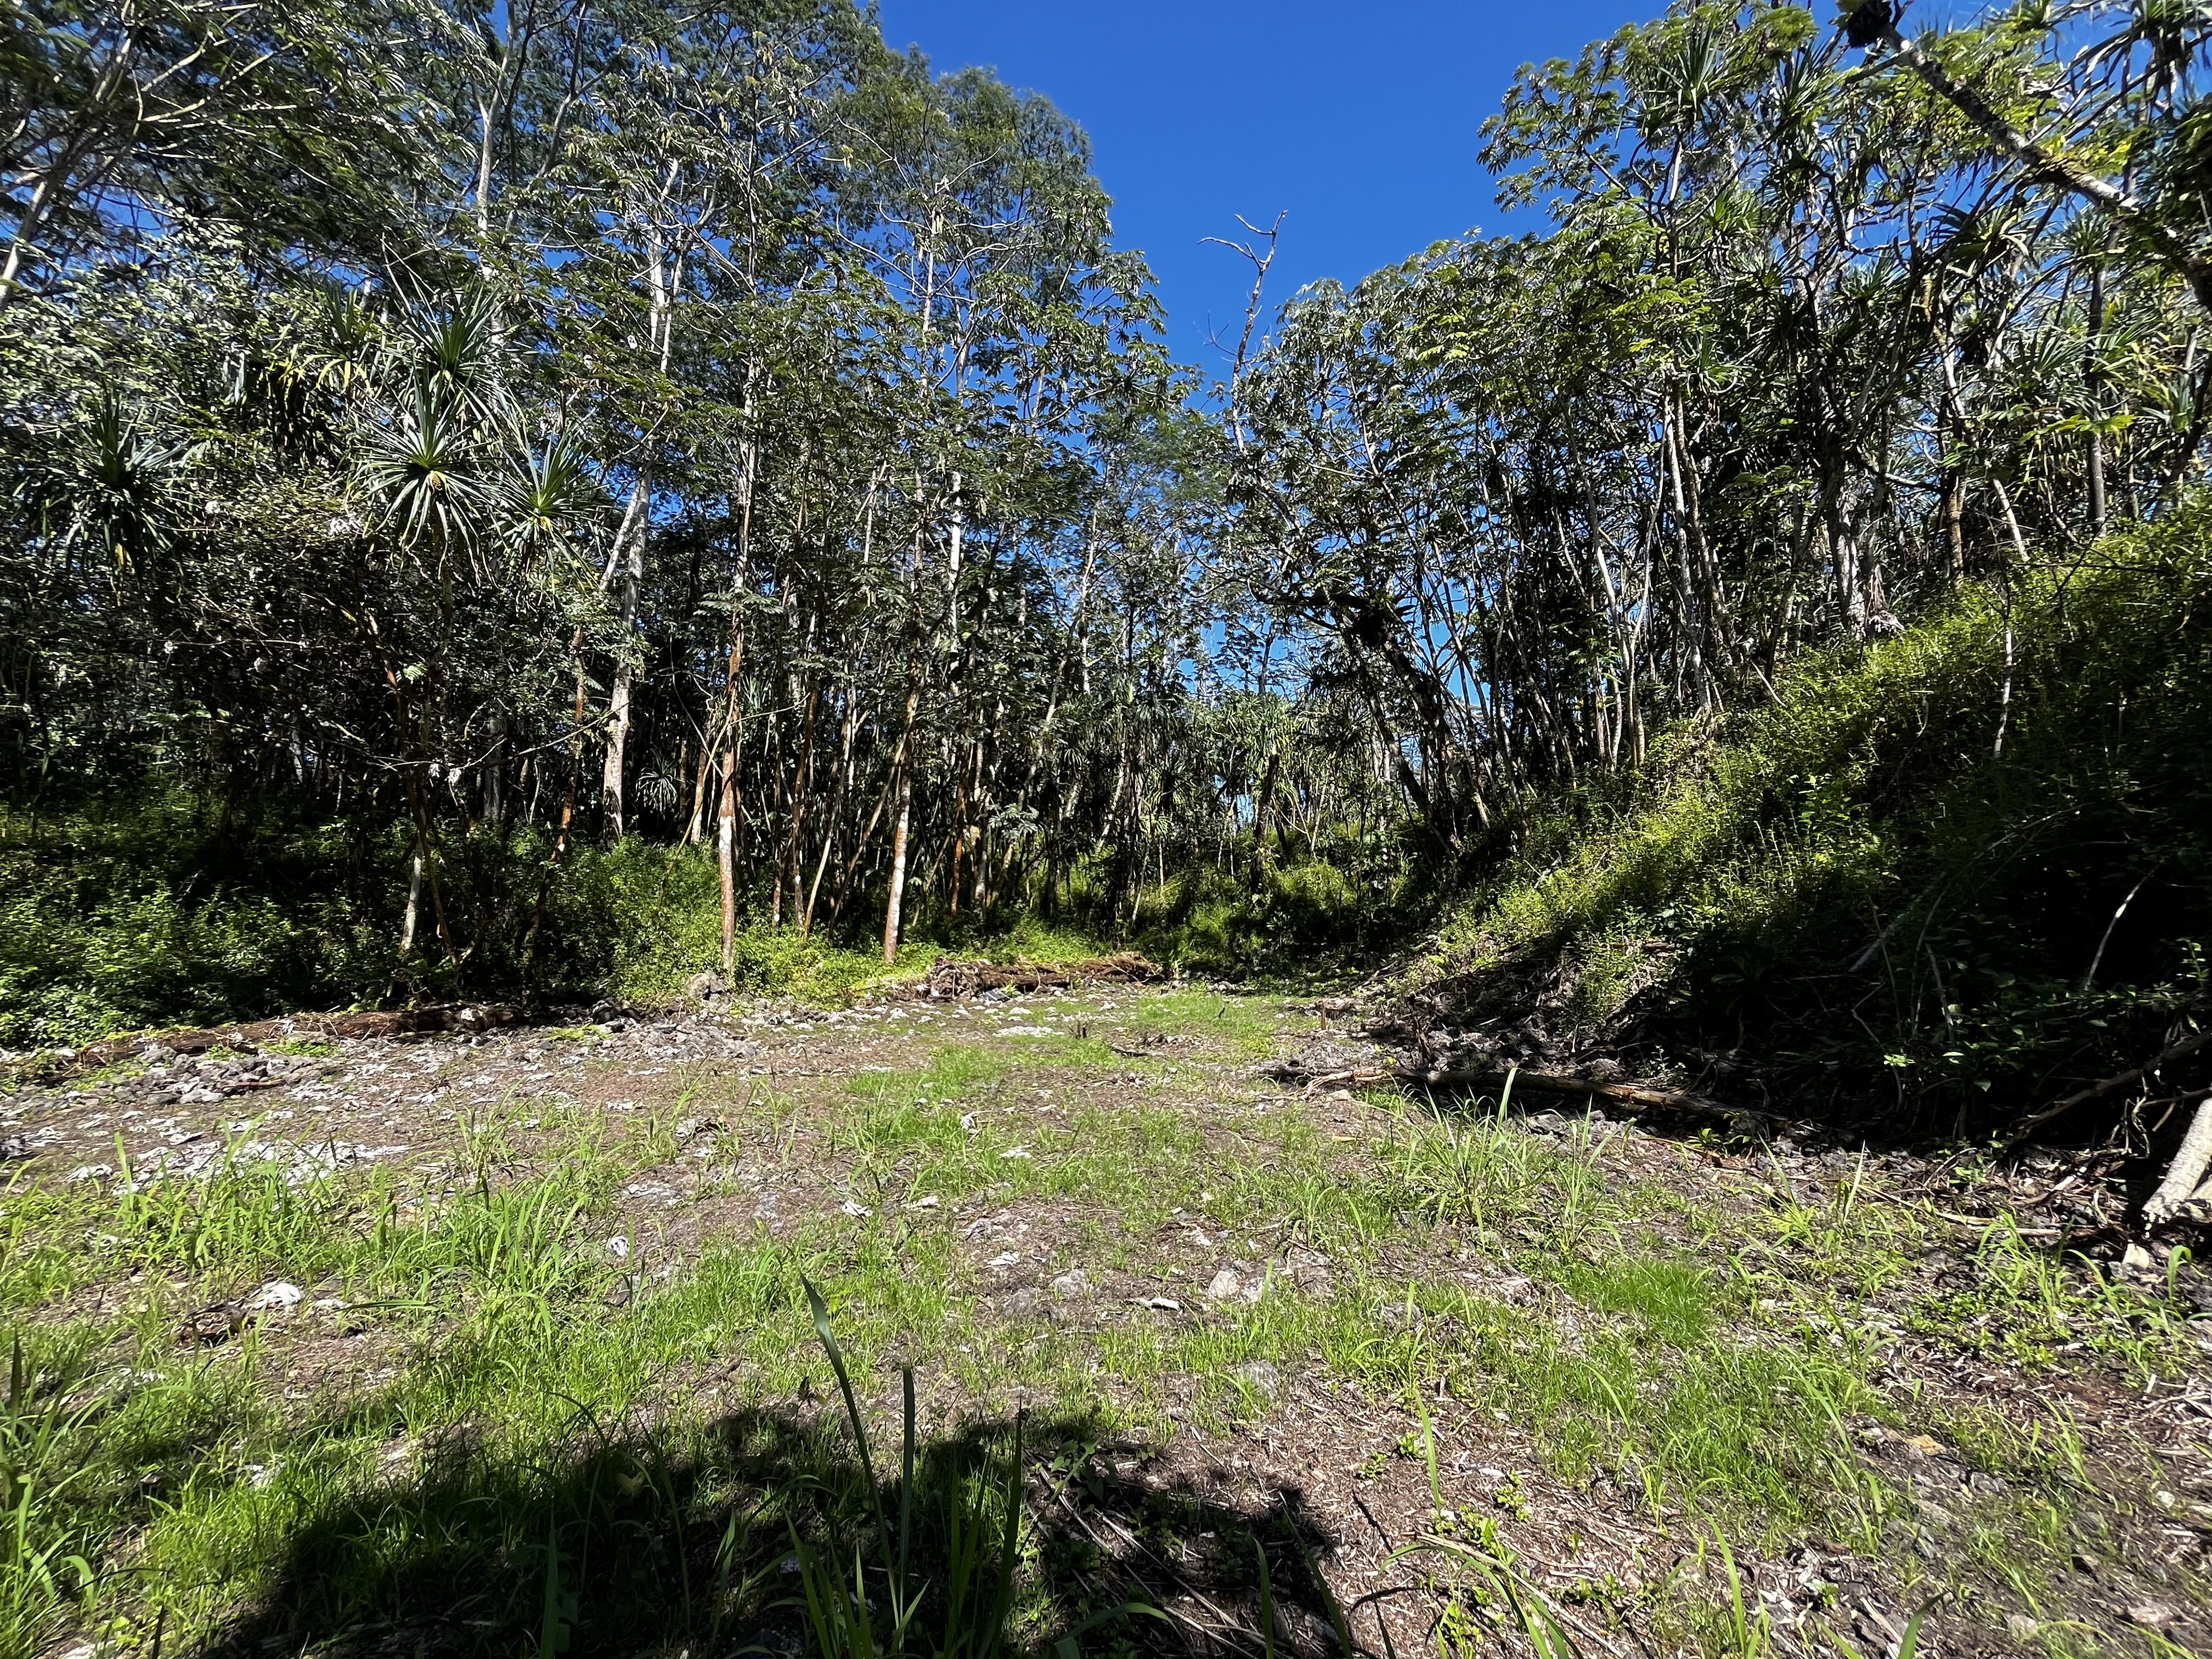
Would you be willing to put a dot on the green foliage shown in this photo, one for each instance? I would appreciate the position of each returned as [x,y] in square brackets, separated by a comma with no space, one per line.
[121,918]
[155,915]
[1296,915]
[1865,841]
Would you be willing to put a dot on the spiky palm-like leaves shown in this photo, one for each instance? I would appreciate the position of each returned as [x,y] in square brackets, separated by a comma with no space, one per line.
[548,491]
[422,465]
[112,484]
[447,456]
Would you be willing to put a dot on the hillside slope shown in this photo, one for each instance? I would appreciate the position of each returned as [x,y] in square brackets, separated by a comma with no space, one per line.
[1941,880]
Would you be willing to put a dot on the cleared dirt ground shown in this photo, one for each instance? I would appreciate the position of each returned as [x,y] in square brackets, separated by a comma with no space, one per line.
[444,1342]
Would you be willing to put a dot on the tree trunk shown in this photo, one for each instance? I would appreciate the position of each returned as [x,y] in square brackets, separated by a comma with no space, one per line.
[414,905]
[695,826]
[495,770]
[2188,1167]
[1259,810]
[726,825]
[898,866]
[725,860]
[629,557]
[2091,381]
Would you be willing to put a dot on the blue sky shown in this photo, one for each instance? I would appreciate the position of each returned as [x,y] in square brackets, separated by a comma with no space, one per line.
[1360,120]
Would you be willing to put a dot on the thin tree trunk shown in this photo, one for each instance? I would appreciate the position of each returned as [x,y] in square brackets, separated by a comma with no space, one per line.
[413,904]
[898,866]
[695,826]
[732,721]
[629,557]
[2092,381]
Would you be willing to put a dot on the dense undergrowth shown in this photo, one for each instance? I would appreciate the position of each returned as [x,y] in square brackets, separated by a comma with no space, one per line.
[1945,873]
[165,910]
[117,917]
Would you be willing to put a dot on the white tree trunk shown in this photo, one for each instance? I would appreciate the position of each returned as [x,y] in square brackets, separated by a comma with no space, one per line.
[898,867]
[629,562]
[2188,1169]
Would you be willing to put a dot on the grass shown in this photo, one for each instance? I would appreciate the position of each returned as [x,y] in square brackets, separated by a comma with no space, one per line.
[1248,1026]
[534,1437]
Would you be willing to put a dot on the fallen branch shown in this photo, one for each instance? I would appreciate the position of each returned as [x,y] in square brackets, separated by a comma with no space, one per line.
[2099,1090]
[1339,1080]
[1637,1096]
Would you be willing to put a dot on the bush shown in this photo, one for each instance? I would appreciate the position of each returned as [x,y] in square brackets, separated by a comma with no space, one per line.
[114,921]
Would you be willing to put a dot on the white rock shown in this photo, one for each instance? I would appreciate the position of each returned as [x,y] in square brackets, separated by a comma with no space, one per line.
[618,1248]
[1226,1283]
[276,1293]
[1261,1375]
[1015,1151]
[853,1207]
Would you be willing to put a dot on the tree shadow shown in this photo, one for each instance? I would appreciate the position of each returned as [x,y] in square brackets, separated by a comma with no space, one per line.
[658,1539]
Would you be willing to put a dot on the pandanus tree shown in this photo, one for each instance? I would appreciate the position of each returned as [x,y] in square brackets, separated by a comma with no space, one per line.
[468,545]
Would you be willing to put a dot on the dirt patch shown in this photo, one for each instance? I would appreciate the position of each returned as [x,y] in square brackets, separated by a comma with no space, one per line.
[1378,1340]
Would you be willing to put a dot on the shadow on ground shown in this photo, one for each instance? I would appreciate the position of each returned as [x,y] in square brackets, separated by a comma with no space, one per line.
[618,1546]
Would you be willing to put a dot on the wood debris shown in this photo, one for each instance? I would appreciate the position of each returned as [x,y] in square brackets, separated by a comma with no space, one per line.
[956,980]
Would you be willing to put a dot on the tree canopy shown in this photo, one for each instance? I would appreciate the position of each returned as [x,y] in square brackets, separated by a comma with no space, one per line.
[531,423]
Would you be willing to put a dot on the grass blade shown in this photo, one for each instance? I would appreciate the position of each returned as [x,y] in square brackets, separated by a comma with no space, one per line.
[821,1310]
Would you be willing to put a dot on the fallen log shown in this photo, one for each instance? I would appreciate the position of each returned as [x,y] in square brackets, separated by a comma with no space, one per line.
[958,979]
[2027,1126]
[1637,1096]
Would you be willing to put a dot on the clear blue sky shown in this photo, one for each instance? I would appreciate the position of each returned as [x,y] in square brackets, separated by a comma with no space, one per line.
[1359,119]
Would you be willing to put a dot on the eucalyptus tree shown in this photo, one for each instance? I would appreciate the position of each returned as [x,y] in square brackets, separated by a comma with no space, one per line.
[690,192]
[978,215]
